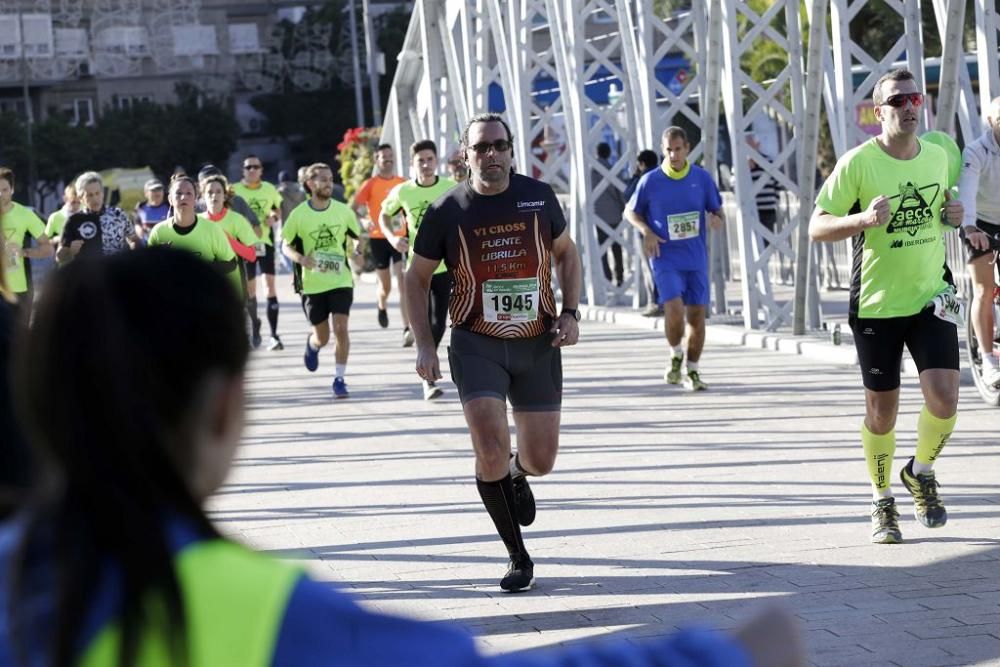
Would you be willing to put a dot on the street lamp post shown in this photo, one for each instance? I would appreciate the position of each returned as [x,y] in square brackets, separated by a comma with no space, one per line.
[29,112]
[358,99]
[373,74]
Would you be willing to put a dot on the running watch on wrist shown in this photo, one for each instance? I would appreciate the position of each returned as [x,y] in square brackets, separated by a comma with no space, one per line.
[571,311]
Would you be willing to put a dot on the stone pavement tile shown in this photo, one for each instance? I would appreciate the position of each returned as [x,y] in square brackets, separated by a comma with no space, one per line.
[930,631]
[970,649]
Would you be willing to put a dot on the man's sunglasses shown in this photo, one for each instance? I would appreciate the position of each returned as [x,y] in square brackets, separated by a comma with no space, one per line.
[500,146]
[915,99]
[251,167]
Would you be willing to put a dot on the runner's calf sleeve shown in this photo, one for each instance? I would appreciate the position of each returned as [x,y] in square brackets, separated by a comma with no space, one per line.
[878,454]
[272,314]
[498,497]
[932,435]
[252,309]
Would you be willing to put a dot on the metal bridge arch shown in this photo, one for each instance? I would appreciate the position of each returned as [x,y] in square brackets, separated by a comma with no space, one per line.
[551,58]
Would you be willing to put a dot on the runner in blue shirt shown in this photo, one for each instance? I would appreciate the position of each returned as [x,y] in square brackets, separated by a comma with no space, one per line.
[670,207]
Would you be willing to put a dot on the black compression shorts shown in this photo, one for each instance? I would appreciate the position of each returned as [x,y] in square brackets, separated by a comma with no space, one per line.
[528,371]
[932,342]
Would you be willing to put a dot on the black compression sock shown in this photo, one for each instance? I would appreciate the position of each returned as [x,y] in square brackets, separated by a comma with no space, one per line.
[252,311]
[498,497]
[272,314]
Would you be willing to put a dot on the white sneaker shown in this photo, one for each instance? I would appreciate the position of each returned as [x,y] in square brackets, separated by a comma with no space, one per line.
[991,374]
[431,390]
[408,338]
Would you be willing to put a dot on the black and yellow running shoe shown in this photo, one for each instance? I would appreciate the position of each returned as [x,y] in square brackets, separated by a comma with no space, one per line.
[927,505]
[885,522]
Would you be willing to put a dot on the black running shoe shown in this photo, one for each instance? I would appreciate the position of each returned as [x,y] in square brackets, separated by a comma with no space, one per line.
[524,501]
[255,338]
[520,576]
[383,318]
[927,506]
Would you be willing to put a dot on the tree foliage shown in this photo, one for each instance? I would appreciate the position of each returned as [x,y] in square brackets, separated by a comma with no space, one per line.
[190,133]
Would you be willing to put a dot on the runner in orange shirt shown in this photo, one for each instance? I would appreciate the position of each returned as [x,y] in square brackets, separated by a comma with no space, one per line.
[370,197]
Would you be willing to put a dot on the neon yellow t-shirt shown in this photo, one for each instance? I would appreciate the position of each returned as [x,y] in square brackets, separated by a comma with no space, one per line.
[323,236]
[414,200]
[898,267]
[205,239]
[236,226]
[16,223]
[261,200]
[55,224]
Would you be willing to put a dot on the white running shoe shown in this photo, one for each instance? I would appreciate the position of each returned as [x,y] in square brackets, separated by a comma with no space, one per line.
[431,390]
[991,374]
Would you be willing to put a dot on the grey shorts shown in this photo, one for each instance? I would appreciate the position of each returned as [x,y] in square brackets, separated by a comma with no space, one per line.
[527,371]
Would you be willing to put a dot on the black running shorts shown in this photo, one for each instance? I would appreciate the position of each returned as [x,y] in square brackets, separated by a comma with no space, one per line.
[528,371]
[266,262]
[318,307]
[972,253]
[932,342]
[383,253]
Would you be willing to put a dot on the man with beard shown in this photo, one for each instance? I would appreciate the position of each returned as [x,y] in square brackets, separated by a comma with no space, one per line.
[319,236]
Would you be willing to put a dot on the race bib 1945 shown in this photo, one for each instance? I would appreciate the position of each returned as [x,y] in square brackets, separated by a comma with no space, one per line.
[510,300]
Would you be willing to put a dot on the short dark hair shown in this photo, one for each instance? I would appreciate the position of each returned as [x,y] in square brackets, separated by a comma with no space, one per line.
[674,132]
[898,74]
[488,117]
[603,150]
[423,145]
[315,167]
[382,147]
[7,174]
[648,158]
[254,156]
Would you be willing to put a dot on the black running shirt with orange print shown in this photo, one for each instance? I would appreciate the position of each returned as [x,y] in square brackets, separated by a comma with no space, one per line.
[498,249]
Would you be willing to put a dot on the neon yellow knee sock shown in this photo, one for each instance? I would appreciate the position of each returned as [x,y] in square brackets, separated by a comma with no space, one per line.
[878,454]
[932,435]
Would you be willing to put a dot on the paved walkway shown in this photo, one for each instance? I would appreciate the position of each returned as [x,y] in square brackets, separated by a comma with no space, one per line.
[666,508]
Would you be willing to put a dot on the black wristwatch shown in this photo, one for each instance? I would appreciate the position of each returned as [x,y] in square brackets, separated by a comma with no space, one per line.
[571,311]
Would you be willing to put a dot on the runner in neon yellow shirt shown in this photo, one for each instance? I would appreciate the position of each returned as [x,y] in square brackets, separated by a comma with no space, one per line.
[185,230]
[891,195]
[16,221]
[413,198]
[54,225]
[319,237]
[265,201]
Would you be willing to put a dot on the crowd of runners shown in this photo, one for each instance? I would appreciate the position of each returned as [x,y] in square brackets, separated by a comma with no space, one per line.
[489,250]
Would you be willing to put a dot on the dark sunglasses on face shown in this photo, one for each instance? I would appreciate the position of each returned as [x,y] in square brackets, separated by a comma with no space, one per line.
[251,167]
[500,146]
[915,99]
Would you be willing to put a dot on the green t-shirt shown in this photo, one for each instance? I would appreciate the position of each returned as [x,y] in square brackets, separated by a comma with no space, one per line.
[414,200]
[261,200]
[16,223]
[236,226]
[900,266]
[322,235]
[205,239]
[55,224]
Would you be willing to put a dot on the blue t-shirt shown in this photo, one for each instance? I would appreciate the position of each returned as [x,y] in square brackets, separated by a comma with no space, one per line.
[150,215]
[675,210]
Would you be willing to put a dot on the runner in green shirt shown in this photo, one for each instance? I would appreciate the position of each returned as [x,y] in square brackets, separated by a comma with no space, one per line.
[891,195]
[319,237]
[16,222]
[413,198]
[185,230]
[56,221]
[265,201]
